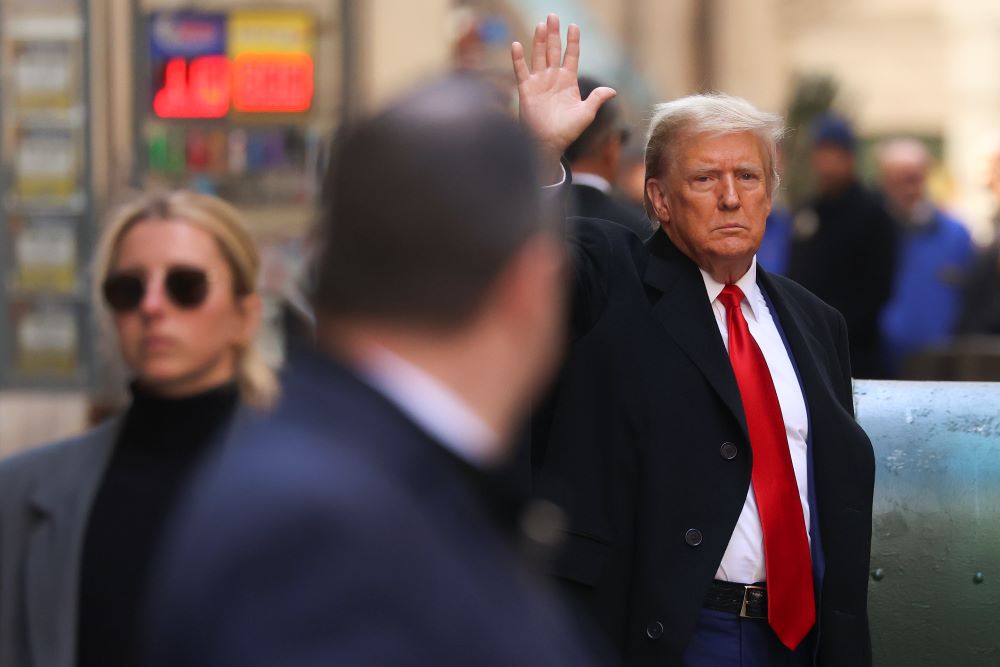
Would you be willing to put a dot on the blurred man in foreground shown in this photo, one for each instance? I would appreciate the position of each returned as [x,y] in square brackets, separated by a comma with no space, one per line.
[352,526]
[933,256]
[704,414]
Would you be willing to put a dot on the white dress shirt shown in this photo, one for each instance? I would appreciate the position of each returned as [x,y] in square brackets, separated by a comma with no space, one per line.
[433,406]
[591,181]
[743,561]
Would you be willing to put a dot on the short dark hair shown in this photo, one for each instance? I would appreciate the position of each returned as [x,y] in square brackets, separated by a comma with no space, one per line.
[424,205]
[607,121]
[831,129]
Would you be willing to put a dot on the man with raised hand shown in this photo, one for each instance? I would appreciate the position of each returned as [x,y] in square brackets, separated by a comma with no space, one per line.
[702,430]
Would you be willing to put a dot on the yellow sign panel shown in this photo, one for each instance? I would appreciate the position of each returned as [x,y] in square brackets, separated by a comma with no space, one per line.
[253,31]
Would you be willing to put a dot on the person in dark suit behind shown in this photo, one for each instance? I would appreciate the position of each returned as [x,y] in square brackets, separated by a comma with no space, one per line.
[595,157]
[352,526]
[704,413]
[844,244]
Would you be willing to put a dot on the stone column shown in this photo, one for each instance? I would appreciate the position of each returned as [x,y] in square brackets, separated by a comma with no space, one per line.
[400,44]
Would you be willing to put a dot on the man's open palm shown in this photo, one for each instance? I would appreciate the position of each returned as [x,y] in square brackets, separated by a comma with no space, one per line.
[549,94]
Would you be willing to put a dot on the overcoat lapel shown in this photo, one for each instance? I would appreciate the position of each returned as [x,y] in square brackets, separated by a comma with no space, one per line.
[805,348]
[686,314]
[61,502]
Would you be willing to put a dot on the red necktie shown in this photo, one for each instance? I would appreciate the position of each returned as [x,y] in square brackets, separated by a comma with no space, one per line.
[791,607]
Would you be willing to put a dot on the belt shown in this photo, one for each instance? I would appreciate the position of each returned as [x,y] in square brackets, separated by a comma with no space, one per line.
[747,600]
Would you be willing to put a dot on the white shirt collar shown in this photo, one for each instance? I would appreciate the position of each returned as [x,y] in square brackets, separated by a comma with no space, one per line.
[433,406]
[747,284]
[592,181]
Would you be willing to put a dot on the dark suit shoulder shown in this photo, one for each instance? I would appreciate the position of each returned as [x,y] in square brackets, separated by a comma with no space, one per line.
[803,298]
[350,525]
[605,244]
[292,467]
[589,202]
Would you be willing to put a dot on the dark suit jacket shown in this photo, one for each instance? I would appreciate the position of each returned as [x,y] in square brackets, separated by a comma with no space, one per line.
[335,532]
[631,441]
[844,250]
[589,202]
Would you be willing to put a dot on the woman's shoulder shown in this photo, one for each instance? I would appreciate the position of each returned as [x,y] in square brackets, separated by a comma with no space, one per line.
[66,454]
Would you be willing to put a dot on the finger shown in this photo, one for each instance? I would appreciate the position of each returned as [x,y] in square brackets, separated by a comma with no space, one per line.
[520,66]
[598,97]
[553,42]
[538,48]
[571,60]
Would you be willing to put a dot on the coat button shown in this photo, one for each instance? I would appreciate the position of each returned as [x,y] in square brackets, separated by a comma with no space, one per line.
[728,451]
[654,630]
[693,537]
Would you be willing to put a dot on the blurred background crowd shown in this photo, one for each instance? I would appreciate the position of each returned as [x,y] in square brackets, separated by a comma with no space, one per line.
[891,166]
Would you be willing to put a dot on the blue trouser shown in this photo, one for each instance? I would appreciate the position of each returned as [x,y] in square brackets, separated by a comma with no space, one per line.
[723,639]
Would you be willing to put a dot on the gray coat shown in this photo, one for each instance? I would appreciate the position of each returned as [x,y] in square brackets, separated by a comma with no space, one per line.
[45,500]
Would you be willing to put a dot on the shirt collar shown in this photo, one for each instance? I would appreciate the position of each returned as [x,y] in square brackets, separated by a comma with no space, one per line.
[432,405]
[592,181]
[747,284]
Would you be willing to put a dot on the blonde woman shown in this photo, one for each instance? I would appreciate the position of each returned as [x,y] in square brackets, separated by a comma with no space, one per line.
[80,519]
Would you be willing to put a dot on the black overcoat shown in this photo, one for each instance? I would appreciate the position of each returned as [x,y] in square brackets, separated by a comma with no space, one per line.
[637,440]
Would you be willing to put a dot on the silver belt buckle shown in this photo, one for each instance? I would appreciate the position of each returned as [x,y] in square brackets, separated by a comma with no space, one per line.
[759,590]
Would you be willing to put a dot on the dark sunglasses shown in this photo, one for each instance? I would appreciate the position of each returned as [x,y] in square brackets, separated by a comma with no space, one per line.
[186,287]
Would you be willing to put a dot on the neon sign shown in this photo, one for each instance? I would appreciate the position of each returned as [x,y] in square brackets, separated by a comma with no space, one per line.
[206,86]
[273,82]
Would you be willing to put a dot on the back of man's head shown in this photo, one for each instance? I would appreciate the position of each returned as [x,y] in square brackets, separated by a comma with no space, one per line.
[425,203]
[607,125]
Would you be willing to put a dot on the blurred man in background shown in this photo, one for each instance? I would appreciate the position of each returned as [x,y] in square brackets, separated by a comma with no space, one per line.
[774,247]
[596,161]
[981,298]
[933,256]
[844,244]
[352,526]
[632,176]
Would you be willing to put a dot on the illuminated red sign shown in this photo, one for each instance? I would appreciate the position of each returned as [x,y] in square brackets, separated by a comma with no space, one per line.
[274,82]
[205,87]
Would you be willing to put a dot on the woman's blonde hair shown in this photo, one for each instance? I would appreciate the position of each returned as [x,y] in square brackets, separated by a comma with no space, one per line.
[257,382]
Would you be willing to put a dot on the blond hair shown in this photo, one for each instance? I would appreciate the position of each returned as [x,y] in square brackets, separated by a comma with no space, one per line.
[256,380]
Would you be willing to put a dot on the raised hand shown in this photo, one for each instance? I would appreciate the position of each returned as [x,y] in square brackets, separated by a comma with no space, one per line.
[549,94]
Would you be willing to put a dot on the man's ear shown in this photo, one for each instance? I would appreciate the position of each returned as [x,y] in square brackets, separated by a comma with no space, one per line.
[612,150]
[654,191]
[533,280]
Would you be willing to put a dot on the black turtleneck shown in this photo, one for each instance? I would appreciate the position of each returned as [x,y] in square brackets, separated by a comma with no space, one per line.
[160,442]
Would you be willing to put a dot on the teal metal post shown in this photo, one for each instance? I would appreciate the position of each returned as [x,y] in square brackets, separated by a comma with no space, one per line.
[935,568]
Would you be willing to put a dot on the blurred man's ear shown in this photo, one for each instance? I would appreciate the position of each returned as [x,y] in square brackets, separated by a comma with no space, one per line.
[612,152]
[533,285]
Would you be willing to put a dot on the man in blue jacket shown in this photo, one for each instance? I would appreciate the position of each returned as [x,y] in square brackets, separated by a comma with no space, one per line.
[934,254]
